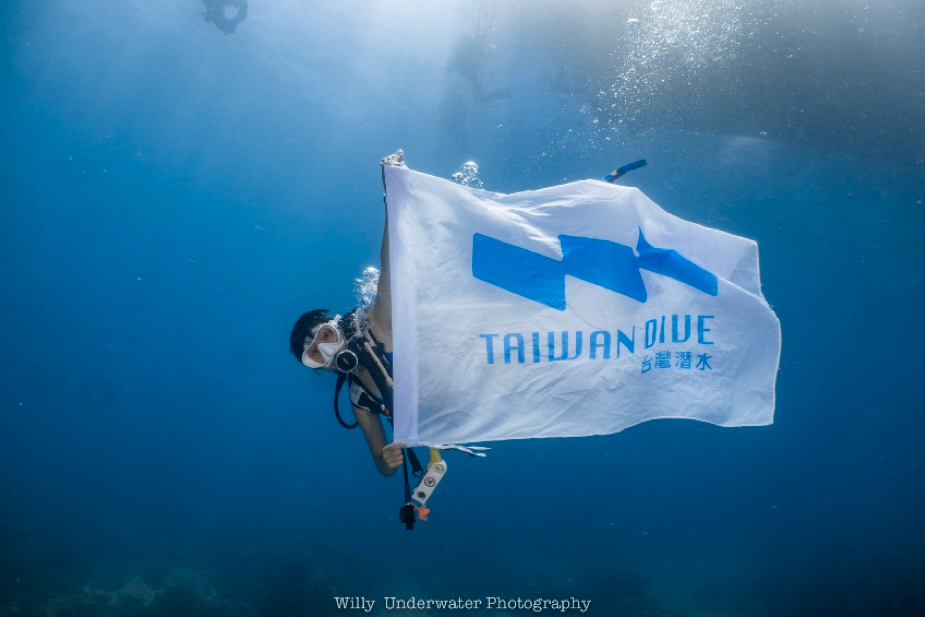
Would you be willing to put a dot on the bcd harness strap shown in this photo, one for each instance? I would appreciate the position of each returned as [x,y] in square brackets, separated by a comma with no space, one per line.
[364,400]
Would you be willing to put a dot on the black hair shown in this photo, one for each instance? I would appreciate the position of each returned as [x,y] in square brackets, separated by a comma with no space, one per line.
[303,327]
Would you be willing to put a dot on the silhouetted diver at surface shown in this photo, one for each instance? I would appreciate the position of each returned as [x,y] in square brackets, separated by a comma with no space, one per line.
[469,59]
[215,12]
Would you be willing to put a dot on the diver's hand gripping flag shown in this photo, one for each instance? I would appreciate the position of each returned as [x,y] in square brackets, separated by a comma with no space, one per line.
[581,309]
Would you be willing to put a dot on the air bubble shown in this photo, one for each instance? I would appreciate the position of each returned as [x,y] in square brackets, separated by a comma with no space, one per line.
[468,175]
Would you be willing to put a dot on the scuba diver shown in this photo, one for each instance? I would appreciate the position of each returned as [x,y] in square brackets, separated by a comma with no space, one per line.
[215,13]
[470,60]
[358,346]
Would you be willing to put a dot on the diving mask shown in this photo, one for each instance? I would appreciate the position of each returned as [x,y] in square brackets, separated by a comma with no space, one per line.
[326,344]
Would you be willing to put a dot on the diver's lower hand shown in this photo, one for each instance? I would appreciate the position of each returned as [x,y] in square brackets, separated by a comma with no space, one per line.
[391,454]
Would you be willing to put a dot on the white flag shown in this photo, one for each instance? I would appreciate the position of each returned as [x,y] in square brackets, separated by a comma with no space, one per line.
[581,309]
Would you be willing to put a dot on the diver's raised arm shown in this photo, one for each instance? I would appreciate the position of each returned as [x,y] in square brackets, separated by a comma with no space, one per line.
[380,320]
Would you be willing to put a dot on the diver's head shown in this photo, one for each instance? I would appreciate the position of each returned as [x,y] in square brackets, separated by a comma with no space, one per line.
[305,329]
[322,342]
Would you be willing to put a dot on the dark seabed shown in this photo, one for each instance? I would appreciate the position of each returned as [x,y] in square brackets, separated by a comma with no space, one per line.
[174,196]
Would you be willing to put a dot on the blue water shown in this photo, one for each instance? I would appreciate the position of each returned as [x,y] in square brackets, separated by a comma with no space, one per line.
[174,197]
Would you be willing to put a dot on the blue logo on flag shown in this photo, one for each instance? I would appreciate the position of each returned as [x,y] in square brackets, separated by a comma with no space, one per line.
[600,262]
